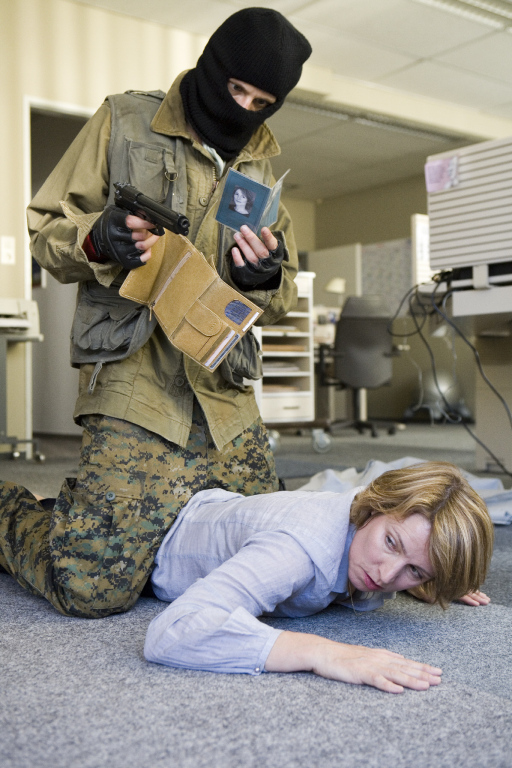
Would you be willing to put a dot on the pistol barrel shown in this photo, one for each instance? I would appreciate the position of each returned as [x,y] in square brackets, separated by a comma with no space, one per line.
[129,198]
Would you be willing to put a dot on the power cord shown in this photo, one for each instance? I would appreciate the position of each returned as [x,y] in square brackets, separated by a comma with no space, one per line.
[419,308]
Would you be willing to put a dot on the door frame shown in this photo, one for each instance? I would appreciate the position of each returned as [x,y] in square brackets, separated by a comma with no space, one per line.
[65,108]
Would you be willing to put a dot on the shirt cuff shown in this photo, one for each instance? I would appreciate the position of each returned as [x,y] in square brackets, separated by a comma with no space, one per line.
[260,667]
[210,640]
[90,251]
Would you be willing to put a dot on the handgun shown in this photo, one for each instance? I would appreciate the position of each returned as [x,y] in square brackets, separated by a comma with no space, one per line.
[130,199]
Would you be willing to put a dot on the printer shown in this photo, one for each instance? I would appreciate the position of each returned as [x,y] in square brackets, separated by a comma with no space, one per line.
[19,320]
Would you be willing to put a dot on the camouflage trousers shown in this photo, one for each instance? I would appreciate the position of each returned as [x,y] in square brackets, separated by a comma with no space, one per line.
[92,553]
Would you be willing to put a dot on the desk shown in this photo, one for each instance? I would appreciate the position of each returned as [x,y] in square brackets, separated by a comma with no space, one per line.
[488,313]
[19,322]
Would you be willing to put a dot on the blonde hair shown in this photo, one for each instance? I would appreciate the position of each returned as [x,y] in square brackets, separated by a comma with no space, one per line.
[462,533]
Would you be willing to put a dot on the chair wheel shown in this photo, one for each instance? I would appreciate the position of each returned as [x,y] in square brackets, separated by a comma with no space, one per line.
[321,441]
[274,439]
[40,457]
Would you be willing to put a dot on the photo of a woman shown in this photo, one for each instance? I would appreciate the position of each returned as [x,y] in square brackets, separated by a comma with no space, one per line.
[242,201]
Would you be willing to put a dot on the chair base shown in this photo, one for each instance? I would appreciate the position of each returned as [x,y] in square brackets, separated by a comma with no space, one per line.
[361,426]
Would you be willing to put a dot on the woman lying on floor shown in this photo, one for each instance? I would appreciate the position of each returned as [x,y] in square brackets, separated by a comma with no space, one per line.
[228,559]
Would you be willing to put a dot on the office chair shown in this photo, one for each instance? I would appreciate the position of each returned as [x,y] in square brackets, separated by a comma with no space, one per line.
[361,355]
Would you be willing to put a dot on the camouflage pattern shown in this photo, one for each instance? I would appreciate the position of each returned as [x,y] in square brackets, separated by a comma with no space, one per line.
[92,554]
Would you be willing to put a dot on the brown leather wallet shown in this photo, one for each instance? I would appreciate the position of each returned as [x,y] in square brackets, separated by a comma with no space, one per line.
[201,315]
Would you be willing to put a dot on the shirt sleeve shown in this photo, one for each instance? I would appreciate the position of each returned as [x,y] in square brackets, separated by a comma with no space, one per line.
[69,203]
[212,625]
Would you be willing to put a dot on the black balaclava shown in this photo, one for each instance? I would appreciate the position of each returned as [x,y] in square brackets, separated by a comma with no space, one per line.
[256,45]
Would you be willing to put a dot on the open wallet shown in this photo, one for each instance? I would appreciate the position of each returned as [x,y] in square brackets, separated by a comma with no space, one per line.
[200,314]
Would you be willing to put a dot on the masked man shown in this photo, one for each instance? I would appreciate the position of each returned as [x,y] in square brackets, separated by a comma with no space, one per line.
[158,427]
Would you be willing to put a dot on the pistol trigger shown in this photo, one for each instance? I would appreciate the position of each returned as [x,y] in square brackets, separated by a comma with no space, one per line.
[158,230]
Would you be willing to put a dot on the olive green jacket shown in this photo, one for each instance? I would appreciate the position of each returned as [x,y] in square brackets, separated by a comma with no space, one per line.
[155,386]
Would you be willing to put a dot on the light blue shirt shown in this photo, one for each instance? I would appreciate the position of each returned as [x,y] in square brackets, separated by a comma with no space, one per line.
[228,559]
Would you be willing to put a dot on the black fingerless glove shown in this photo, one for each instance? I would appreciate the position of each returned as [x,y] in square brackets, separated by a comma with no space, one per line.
[111,237]
[266,274]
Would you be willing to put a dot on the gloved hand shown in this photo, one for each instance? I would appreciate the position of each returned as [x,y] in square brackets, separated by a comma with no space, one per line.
[111,237]
[251,275]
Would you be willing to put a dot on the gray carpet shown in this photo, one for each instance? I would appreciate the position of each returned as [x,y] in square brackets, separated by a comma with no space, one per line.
[296,457]
[78,693]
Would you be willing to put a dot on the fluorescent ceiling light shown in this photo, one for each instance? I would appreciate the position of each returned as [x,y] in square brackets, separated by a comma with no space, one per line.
[491,13]
[373,119]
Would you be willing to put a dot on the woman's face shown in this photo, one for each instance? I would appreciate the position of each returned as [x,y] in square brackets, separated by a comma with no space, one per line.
[390,555]
[240,198]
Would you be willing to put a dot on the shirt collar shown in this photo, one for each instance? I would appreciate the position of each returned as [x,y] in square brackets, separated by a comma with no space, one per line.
[341,585]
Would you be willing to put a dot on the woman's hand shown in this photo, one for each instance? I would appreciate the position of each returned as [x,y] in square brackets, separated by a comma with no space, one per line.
[475,598]
[356,664]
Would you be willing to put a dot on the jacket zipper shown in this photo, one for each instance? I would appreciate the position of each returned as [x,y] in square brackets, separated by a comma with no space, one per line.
[215,182]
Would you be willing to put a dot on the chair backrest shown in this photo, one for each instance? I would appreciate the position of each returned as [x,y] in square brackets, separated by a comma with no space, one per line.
[362,345]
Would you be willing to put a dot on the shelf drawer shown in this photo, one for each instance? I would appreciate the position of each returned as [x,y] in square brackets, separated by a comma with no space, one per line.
[289,408]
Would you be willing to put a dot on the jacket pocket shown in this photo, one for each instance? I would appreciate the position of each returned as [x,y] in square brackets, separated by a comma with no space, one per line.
[106,326]
[151,169]
[199,328]
[96,537]
[103,328]
[243,362]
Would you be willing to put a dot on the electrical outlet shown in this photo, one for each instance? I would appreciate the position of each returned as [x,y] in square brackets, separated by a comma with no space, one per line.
[7,250]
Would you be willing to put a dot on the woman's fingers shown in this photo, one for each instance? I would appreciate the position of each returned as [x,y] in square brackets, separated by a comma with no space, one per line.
[395,682]
[378,667]
[475,598]
[394,676]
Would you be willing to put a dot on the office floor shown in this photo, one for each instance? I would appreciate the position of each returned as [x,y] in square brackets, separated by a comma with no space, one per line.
[296,459]
[79,694]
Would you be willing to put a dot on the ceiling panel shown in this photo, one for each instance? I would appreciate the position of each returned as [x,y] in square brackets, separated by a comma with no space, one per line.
[488,57]
[368,143]
[399,25]
[355,58]
[287,7]
[452,84]
[403,45]
[504,110]
[292,122]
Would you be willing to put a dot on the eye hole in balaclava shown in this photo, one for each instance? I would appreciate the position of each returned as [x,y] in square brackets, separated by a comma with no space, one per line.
[258,46]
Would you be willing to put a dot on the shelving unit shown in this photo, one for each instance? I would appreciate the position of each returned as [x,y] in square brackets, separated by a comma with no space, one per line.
[287,390]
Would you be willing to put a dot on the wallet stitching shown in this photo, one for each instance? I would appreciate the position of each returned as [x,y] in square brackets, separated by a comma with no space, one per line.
[173,274]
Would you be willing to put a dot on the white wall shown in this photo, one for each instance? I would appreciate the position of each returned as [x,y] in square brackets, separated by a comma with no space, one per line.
[55,381]
[372,215]
[73,55]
